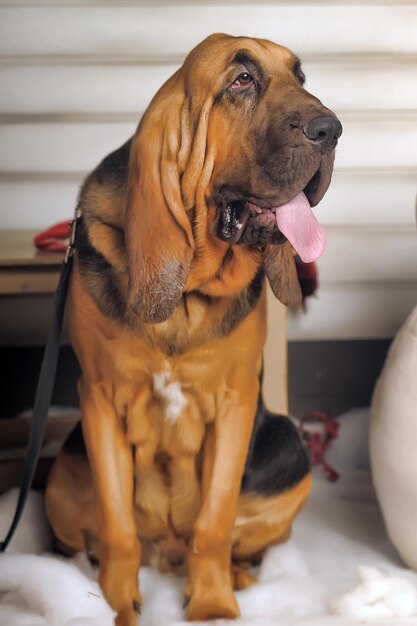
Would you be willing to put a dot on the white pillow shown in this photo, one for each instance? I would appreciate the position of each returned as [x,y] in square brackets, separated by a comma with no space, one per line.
[393,441]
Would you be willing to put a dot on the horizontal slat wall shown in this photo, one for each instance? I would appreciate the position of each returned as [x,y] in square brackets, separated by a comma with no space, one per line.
[370,196]
[354,311]
[51,89]
[76,75]
[146,30]
[30,202]
[367,254]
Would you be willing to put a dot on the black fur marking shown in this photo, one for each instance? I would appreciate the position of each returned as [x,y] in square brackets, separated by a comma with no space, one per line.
[93,559]
[74,444]
[100,277]
[298,72]
[98,219]
[113,169]
[242,305]
[276,459]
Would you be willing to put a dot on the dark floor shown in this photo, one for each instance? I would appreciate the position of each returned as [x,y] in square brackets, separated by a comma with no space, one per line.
[323,375]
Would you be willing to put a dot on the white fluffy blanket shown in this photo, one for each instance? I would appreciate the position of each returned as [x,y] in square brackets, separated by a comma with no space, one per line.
[338,569]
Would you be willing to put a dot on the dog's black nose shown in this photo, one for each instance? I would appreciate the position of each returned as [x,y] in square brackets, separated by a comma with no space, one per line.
[323,132]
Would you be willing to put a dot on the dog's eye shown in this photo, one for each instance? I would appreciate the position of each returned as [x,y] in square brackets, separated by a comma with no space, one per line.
[242,82]
[298,72]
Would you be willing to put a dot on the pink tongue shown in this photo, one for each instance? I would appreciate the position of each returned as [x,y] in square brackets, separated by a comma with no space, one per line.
[298,223]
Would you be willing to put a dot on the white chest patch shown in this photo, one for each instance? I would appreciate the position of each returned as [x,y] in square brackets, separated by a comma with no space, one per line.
[172,393]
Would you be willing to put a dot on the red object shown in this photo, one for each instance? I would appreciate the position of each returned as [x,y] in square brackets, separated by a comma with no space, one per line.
[55,238]
[318,441]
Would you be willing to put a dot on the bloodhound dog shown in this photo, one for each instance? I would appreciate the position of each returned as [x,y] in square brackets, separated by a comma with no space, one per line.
[180,228]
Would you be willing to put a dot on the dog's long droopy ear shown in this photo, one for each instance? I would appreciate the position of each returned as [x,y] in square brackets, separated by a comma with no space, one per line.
[158,233]
[282,273]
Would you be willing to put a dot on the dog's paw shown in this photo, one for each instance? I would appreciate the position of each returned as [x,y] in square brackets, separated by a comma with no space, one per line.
[241,579]
[214,603]
[129,616]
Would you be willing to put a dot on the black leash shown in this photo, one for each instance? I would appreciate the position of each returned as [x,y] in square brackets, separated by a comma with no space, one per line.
[45,384]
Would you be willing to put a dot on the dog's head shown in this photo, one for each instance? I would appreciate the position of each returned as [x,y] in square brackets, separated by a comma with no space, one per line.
[225,165]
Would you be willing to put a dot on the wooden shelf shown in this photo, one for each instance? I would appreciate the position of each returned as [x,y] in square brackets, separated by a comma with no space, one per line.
[17,249]
[23,268]
[28,280]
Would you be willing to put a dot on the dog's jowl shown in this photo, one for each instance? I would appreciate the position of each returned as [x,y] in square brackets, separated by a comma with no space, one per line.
[179,464]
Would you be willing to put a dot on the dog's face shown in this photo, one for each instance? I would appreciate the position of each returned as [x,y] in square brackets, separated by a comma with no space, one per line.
[232,150]
[276,139]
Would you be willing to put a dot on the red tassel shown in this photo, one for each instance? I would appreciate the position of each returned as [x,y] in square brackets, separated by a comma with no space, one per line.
[317,443]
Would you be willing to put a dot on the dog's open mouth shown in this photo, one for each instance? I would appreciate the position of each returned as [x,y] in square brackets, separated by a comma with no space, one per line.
[244,222]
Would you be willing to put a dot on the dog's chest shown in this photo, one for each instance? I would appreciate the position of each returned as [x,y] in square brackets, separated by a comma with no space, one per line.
[170,393]
[168,406]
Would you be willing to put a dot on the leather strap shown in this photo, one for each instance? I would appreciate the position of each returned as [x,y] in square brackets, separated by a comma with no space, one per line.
[44,387]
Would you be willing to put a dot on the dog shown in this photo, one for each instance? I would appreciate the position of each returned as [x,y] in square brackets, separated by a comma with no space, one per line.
[180,229]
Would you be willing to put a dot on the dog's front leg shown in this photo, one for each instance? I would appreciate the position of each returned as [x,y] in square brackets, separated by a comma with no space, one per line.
[209,563]
[111,462]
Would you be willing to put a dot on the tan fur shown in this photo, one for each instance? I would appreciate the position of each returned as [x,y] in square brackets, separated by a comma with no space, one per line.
[177,282]
[261,521]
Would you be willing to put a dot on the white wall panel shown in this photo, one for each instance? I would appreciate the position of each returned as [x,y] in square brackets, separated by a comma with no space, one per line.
[36,203]
[370,197]
[353,312]
[59,147]
[364,255]
[361,84]
[372,141]
[53,89]
[151,31]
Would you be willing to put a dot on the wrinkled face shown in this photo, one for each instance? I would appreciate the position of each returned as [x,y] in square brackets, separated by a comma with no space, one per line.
[273,145]
[231,150]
